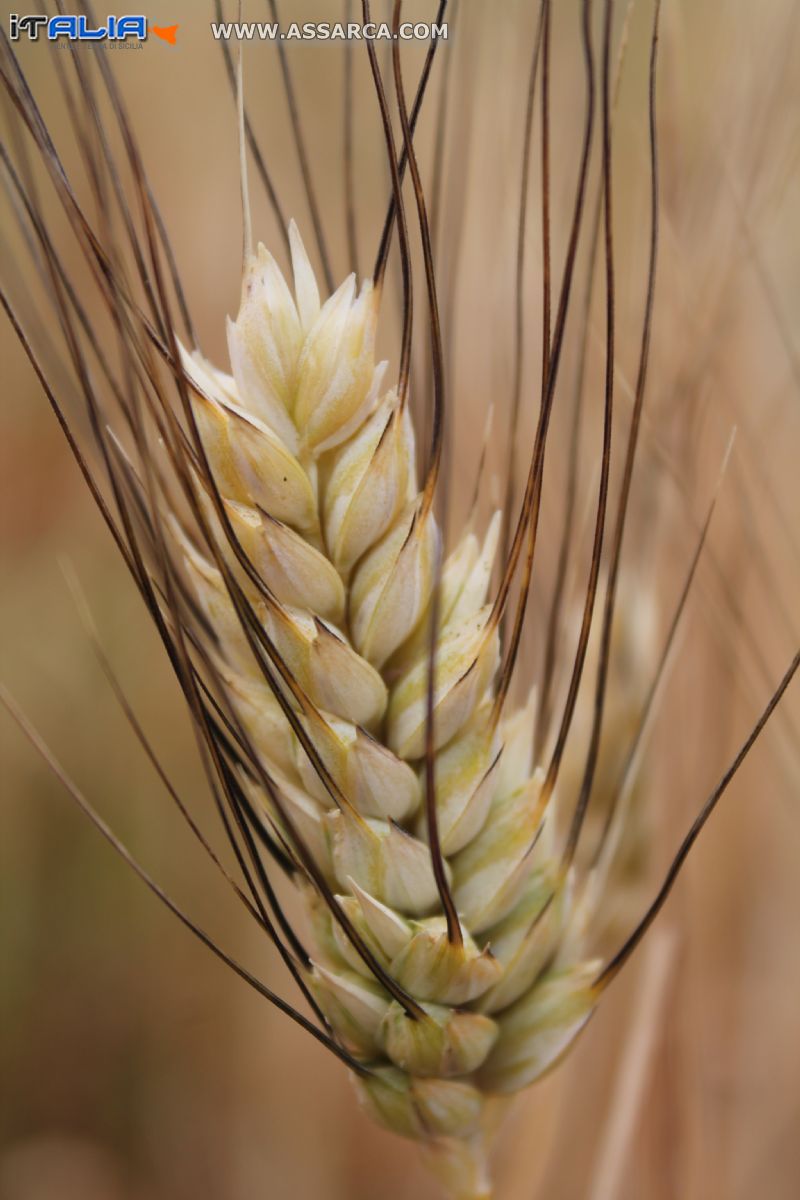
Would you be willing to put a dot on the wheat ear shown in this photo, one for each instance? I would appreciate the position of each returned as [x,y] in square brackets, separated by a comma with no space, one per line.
[315,481]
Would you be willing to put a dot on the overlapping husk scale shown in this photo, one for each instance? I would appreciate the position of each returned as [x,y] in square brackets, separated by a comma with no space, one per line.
[315,464]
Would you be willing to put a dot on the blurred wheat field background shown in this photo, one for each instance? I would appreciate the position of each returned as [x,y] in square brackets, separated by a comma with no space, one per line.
[132,1067]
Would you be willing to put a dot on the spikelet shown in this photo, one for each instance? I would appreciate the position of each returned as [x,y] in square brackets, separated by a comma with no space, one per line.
[316,475]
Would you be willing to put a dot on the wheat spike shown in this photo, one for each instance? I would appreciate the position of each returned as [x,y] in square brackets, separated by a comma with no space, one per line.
[315,470]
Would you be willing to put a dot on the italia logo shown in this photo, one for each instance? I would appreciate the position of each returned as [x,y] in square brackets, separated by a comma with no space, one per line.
[80,29]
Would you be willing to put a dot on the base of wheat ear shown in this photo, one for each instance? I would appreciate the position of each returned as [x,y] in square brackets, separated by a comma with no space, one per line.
[316,514]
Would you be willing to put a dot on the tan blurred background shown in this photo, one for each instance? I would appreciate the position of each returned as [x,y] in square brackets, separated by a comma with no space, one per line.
[132,1065]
